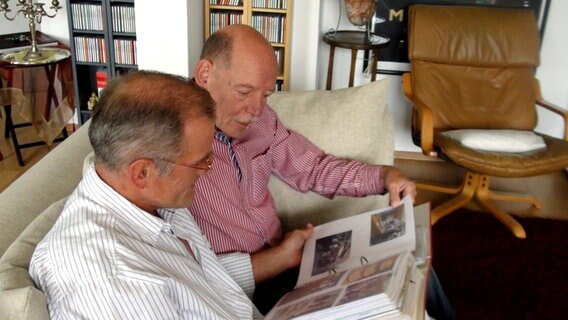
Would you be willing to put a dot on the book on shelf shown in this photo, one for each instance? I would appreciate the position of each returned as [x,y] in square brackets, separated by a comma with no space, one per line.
[22,40]
[371,265]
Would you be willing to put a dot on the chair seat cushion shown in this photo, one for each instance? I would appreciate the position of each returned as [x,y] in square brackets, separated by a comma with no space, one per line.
[497,140]
[506,164]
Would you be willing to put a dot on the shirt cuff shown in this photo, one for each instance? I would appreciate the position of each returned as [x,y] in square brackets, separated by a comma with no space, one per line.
[373,174]
[239,267]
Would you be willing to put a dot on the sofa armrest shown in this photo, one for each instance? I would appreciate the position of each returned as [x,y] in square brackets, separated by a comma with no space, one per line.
[19,297]
[55,176]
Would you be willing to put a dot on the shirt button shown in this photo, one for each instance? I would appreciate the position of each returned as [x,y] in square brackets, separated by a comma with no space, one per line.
[167,228]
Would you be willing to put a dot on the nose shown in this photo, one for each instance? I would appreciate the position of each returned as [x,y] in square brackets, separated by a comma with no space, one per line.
[256,105]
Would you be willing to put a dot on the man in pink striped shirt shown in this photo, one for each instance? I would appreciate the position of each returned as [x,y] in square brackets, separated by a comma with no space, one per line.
[233,205]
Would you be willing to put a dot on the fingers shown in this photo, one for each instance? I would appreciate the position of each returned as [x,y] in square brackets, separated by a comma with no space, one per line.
[307,231]
[297,237]
[410,190]
[397,185]
[394,198]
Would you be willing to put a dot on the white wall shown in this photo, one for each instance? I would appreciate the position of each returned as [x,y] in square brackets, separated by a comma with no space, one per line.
[553,70]
[169,37]
[56,27]
[18,25]
[305,42]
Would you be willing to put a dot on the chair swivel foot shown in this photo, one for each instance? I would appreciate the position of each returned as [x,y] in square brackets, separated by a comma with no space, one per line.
[522,198]
[465,193]
[449,206]
[505,218]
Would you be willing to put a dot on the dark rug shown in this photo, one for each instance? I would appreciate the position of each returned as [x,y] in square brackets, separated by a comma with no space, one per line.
[488,273]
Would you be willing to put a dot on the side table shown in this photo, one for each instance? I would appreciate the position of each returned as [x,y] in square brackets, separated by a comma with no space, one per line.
[10,62]
[354,40]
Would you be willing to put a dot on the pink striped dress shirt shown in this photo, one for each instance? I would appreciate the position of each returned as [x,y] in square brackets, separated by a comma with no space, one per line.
[240,216]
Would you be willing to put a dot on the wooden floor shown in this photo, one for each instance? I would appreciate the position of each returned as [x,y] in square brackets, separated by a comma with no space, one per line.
[10,170]
[551,189]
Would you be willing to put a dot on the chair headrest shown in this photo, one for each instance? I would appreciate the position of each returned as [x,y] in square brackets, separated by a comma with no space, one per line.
[474,36]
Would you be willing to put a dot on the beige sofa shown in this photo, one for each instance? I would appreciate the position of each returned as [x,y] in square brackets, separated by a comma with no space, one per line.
[350,122]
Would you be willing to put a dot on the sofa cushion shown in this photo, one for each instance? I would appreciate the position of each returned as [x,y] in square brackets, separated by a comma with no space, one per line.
[350,123]
[19,298]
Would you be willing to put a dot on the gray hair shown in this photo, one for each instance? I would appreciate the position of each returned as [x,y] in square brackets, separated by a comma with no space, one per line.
[218,48]
[142,115]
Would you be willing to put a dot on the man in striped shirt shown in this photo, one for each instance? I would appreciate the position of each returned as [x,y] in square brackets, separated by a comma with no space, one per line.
[239,69]
[125,245]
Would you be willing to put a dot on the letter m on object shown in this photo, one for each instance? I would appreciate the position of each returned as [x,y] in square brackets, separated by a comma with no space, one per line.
[396,15]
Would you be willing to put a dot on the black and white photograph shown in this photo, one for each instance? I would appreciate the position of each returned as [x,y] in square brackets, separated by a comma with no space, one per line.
[387,225]
[331,251]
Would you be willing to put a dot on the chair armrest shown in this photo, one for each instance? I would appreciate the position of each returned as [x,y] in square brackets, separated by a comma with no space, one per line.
[424,117]
[552,107]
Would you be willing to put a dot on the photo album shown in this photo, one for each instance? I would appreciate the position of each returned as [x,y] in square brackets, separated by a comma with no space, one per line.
[357,267]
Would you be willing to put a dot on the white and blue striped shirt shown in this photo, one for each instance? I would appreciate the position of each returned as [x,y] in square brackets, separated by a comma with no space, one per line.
[105,258]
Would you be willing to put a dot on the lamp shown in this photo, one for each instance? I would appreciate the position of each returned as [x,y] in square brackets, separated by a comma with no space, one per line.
[34,12]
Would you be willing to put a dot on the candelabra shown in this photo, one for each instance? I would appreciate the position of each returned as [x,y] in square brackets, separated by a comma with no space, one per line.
[34,12]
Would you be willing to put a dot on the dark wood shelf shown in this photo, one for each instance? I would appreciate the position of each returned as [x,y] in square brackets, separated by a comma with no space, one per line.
[85,73]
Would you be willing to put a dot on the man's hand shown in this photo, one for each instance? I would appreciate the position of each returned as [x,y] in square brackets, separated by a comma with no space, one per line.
[288,254]
[293,244]
[397,184]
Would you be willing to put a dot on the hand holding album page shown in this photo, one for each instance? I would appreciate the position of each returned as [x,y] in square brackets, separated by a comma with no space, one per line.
[350,242]
[357,267]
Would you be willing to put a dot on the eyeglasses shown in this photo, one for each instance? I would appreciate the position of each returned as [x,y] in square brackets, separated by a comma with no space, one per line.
[208,164]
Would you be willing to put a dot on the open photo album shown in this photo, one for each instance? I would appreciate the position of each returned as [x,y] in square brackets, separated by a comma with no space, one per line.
[357,267]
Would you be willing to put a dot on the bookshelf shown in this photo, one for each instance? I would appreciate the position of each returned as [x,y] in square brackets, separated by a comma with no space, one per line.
[102,38]
[272,18]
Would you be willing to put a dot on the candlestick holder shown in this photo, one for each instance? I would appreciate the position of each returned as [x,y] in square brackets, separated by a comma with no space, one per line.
[34,12]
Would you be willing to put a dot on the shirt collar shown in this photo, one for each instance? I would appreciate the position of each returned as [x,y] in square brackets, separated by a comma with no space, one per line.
[137,222]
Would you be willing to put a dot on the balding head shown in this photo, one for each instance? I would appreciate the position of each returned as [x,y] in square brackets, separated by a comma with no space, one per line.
[142,115]
[238,39]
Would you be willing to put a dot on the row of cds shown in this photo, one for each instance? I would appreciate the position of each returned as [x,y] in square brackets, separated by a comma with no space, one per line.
[268,4]
[123,19]
[93,50]
[87,16]
[222,19]
[225,2]
[125,51]
[90,49]
[272,27]
[90,17]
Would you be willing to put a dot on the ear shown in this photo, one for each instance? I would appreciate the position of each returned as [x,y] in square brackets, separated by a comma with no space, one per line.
[140,172]
[203,72]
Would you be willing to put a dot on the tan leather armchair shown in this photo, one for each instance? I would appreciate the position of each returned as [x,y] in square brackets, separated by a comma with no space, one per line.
[473,68]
